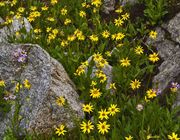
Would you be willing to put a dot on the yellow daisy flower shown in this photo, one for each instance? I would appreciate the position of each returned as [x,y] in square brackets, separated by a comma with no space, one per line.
[97,57]
[125,16]
[105,34]
[112,86]
[135,84]
[154,57]
[118,22]
[173,137]
[113,109]
[129,138]
[95,93]
[67,21]
[64,11]
[153,34]
[103,127]
[151,93]
[53,2]
[96,3]
[119,10]
[87,108]
[60,101]
[27,84]
[87,127]
[125,62]
[82,14]
[93,83]
[60,130]
[103,114]
[80,70]
[94,38]
[139,50]
[119,36]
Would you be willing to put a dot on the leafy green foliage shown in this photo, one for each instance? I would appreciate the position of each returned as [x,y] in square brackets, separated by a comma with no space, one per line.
[4,105]
[155,10]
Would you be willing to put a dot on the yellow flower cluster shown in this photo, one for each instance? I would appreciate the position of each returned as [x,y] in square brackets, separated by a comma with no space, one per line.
[52,34]
[100,74]
[79,34]
[120,20]
[33,15]
[9,20]
[67,21]
[81,69]
[26,84]
[102,127]
[118,36]
[99,60]
[37,30]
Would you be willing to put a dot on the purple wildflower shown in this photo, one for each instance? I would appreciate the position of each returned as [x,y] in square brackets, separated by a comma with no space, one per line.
[21,59]
[20,55]
[175,85]
[158,92]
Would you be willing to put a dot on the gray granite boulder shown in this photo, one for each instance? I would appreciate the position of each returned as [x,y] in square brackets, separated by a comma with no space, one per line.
[38,111]
[128,1]
[174,28]
[108,5]
[168,47]
[17,24]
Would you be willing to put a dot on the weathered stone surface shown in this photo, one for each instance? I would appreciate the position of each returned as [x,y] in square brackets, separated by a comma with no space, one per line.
[1,20]
[169,71]
[39,111]
[108,6]
[168,47]
[128,1]
[165,47]
[16,25]
[174,28]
